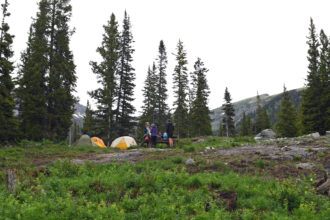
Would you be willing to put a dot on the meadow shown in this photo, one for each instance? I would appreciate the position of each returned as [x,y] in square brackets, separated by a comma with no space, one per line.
[160,186]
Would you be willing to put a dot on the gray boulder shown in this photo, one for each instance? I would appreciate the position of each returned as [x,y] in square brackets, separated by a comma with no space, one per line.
[315,135]
[189,161]
[265,135]
[305,165]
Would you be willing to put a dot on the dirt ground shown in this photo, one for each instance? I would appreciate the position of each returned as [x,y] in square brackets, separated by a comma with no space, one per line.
[273,160]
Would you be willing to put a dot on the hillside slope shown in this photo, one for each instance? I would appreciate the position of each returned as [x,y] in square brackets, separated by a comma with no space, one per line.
[249,106]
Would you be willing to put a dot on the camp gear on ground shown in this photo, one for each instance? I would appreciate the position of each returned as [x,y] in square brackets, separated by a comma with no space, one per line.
[123,142]
[84,140]
[165,136]
[169,130]
[99,142]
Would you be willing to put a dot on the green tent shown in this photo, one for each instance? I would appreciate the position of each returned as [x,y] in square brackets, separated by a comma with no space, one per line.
[84,140]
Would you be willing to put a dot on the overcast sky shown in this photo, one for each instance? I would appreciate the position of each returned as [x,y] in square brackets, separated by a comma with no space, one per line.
[248,46]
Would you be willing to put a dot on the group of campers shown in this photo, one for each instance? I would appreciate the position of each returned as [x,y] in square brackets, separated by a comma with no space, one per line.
[151,134]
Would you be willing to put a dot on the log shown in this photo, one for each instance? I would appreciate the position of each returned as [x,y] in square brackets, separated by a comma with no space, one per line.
[11,180]
[324,188]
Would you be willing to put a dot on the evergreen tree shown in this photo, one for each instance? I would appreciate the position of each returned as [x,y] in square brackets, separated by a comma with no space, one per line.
[106,72]
[8,123]
[312,94]
[265,119]
[89,122]
[249,125]
[150,97]
[180,81]
[324,72]
[74,132]
[259,116]
[62,78]
[126,75]
[221,131]
[150,100]
[244,127]
[287,124]
[32,78]
[200,113]
[161,90]
[228,120]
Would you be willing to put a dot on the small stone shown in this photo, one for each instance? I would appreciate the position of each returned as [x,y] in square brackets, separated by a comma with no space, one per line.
[305,165]
[285,148]
[327,133]
[189,161]
[207,148]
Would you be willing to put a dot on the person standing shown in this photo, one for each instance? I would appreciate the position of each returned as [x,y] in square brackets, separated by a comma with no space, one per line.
[153,135]
[169,131]
[147,134]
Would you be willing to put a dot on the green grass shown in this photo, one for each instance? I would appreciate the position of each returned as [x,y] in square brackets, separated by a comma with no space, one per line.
[149,189]
[154,190]
[215,142]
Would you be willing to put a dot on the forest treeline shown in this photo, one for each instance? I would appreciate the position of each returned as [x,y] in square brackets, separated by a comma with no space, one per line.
[39,103]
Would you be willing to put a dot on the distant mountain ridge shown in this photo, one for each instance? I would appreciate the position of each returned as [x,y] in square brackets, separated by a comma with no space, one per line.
[249,106]
[79,114]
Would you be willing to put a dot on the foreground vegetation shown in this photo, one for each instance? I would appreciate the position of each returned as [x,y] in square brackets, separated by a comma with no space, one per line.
[163,188]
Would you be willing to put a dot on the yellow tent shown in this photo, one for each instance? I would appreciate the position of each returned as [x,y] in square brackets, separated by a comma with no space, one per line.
[98,142]
[123,142]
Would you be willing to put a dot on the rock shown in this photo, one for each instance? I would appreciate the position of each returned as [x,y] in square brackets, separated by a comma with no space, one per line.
[305,165]
[199,141]
[265,135]
[327,133]
[285,148]
[207,148]
[315,135]
[189,161]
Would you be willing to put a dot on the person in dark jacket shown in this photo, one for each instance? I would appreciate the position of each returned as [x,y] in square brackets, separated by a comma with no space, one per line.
[169,131]
[153,135]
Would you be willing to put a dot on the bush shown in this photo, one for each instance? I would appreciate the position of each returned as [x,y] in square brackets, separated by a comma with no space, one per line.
[260,164]
[187,149]
[177,160]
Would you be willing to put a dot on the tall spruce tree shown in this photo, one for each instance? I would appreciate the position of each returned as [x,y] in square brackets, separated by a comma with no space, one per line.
[150,97]
[180,87]
[125,92]
[287,124]
[249,125]
[265,119]
[312,94]
[259,116]
[161,90]
[89,121]
[8,123]
[62,78]
[106,72]
[228,120]
[324,72]
[200,113]
[244,127]
[31,93]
